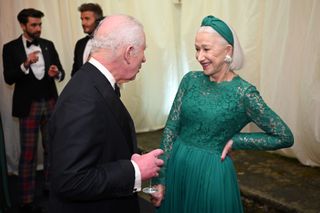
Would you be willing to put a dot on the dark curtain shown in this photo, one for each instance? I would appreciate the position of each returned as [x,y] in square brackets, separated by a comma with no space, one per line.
[4,194]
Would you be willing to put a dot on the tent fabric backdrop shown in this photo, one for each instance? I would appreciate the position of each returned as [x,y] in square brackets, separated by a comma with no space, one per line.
[280,40]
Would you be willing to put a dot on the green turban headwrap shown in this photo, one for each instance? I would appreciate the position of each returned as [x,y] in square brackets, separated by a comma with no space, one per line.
[219,26]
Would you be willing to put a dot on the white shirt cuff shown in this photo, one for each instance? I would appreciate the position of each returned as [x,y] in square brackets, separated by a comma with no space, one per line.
[26,71]
[137,180]
[59,76]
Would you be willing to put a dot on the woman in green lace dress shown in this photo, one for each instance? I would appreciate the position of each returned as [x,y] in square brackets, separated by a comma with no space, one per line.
[209,111]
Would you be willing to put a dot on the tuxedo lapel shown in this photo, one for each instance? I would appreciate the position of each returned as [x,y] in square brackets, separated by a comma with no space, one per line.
[116,106]
[80,51]
[44,50]
[45,54]
[21,53]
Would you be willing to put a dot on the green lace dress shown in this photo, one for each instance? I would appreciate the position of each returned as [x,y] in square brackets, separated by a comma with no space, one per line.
[204,116]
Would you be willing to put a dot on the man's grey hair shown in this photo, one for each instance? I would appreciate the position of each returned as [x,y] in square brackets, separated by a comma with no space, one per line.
[128,33]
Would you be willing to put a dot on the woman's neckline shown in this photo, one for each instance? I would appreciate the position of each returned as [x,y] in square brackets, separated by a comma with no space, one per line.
[226,81]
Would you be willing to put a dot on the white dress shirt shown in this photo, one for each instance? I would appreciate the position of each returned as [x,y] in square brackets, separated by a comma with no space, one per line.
[39,66]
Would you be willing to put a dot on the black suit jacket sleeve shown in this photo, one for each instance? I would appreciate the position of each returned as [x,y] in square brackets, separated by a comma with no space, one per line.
[13,56]
[89,152]
[54,60]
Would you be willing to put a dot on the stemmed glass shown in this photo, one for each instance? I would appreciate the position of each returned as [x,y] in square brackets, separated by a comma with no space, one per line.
[149,189]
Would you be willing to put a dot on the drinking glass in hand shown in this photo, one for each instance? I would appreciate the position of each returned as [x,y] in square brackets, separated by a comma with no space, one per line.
[150,189]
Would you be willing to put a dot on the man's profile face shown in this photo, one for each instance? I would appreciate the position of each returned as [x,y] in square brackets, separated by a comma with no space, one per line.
[137,60]
[88,21]
[32,29]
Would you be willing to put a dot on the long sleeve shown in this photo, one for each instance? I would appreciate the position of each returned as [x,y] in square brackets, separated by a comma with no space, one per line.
[171,130]
[276,133]
[11,64]
[56,61]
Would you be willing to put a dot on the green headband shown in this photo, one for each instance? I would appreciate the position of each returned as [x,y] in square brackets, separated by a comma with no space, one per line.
[219,26]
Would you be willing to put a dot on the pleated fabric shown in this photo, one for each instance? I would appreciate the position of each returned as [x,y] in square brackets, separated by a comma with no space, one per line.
[199,182]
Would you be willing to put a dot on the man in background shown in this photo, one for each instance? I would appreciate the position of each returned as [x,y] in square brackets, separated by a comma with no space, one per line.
[32,64]
[90,15]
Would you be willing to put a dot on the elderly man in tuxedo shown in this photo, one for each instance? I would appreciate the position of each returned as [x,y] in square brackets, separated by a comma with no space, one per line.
[32,64]
[93,150]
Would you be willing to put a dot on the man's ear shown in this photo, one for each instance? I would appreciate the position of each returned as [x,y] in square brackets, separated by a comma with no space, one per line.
[129,52]
[23,27]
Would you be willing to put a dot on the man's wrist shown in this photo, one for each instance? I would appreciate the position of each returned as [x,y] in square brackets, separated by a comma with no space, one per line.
[24,69]
[26,64]
[137,181]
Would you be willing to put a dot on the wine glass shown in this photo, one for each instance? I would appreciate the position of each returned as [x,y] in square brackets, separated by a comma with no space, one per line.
[149,189]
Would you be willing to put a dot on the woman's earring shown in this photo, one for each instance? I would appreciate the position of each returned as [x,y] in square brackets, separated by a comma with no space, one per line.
[228,59]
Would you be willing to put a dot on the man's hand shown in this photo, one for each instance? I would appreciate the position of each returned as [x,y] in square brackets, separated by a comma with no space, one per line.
[31,59]
[157,197]
[53,71]
[149,164]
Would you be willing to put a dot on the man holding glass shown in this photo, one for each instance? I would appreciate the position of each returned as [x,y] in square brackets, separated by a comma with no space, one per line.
[94,165]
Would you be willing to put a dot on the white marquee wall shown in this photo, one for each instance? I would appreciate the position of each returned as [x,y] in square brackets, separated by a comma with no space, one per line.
[280,40]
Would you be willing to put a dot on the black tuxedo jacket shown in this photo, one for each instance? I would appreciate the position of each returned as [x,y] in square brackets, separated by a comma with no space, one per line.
[78,54]
[92,138]
[26,85]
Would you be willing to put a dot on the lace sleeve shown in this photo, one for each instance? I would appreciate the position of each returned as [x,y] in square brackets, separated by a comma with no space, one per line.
[276,134]
[171,130]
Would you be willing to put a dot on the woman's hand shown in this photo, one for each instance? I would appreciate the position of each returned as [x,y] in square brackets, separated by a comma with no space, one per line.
[227,148]
[158,196]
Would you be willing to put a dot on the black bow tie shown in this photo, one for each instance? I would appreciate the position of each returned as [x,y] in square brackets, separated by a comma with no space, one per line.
[117,90]
[33,42]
